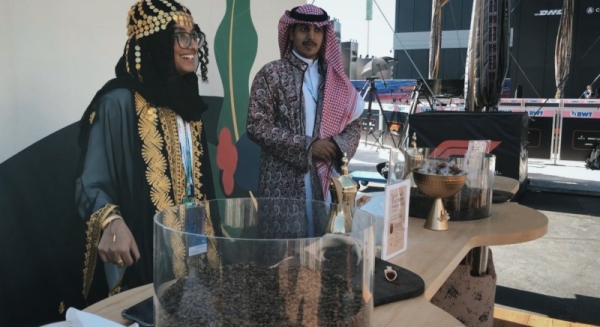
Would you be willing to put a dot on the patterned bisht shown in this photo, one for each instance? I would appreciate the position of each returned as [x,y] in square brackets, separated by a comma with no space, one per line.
[276,122]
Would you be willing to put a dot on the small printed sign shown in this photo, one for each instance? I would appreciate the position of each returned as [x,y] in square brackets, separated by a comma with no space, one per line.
[395,219]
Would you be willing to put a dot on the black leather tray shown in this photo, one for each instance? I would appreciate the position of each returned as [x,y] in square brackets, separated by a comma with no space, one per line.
[406,286]
[501,196]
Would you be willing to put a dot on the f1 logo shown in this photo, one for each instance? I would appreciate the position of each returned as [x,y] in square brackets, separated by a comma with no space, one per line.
[456,147]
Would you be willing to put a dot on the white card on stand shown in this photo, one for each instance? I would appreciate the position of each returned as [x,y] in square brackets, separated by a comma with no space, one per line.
[395,219]
[473,157]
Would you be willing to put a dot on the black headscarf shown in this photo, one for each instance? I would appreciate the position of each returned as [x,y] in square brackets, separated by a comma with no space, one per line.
[148,66]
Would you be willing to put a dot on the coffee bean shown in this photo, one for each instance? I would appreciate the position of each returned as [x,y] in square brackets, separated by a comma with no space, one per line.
[256,295]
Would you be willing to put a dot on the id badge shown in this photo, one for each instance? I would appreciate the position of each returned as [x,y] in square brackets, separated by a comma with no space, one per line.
[189,202]
[194,226]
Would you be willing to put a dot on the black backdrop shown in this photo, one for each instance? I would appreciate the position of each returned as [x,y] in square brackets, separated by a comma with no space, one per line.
[579,135]
[540,137]
[42,238]
[432,128]
[534,26]
[534,39]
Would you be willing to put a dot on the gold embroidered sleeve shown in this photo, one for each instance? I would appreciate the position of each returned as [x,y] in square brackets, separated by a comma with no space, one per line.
[93,234]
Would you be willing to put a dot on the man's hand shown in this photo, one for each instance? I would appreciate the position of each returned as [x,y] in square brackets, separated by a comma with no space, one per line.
[117,244]
[324,150]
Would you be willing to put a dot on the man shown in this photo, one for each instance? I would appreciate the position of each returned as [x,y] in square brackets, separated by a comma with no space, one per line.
[303,110]
[588,93]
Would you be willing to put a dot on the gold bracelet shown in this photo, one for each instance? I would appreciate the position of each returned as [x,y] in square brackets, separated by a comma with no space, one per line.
[114,234]
[109,219]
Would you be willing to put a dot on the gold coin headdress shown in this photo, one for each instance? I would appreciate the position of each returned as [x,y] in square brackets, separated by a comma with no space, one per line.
[147,17]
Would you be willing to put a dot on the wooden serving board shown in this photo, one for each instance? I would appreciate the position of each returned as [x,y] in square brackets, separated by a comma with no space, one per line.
[406,286]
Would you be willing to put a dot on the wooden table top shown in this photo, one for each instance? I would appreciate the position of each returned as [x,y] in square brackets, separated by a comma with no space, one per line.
[433,255]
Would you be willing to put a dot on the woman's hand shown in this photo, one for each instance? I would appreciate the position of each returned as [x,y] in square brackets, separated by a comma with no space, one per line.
[117,244]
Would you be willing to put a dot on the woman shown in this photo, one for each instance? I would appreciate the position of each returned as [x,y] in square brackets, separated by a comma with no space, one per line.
[144,146]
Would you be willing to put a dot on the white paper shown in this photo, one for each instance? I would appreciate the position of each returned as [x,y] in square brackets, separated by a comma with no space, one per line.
[77,318]
[395,219]
[376,207]
[472,163]
[198,249]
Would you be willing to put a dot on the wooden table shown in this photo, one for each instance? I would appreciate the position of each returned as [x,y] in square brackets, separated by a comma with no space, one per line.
[433,255]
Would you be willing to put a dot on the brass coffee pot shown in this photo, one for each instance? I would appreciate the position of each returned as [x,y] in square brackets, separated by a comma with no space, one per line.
[413,158]
[344,191]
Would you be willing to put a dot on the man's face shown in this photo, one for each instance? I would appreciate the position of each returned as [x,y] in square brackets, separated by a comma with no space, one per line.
[307,40]
[589,87]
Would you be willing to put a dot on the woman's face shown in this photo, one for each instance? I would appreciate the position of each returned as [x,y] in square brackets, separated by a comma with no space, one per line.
[185,49]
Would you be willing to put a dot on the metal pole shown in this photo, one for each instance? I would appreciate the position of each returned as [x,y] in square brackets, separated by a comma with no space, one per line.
[477,259]
[368,32]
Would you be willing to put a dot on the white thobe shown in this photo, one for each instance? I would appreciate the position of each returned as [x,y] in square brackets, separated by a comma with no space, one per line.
[310,91]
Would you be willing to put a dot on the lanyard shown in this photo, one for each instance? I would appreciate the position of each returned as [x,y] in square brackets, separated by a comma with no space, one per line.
[185,142]
[310,86]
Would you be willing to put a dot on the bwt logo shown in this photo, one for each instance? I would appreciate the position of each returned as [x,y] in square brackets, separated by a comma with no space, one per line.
[581,114]
[591,10]
[536,113]
[549,12]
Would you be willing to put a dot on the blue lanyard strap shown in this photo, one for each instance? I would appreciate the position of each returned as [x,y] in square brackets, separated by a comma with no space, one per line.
[186,154]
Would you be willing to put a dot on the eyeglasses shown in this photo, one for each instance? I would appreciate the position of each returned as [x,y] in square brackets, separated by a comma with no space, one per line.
[184,39]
